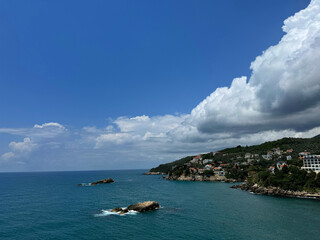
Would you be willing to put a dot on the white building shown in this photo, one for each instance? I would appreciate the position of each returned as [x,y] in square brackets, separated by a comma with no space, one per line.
[205,161]
[280,165]
[208,167]
[277,151]
[196,159]
[311,163]
[304,154]
[269,155]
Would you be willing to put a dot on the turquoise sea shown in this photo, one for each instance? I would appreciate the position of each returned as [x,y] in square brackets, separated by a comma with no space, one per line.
[50,205]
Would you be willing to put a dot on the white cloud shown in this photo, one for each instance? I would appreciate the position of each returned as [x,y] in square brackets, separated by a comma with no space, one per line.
[46,130]
[139,129]
[26,146]
[281,98]
[7,156]
[290,69]
[50,124]
[19,149]
[46,135]
[283,90]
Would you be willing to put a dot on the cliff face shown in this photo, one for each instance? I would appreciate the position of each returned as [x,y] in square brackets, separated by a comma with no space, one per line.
[274,191]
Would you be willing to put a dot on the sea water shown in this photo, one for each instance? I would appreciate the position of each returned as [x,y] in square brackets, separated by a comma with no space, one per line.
[50,205]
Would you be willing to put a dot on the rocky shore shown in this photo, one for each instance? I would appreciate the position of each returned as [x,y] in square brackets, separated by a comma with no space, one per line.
[154,173]
[274,191]
[201,178]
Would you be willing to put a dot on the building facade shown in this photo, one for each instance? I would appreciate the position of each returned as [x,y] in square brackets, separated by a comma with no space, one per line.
[311,163]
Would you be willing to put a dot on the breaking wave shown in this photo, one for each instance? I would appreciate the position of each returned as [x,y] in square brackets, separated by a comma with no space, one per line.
[85,184]
[108,212]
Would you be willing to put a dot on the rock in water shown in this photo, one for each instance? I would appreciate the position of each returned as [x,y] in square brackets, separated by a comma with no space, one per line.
[139,207]
[117,209]
[120,210]
[124,211]
[107,180]
[144,206]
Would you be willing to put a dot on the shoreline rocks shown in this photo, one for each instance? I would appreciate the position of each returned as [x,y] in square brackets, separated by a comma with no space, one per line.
[107,180]
[139,207]
[154,173]
[201,178]
[274,191]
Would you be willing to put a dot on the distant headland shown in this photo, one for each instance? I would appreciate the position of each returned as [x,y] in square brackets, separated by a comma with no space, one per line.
[285,167]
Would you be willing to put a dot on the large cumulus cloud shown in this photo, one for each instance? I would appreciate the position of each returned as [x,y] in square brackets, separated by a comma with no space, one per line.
[284,88]
[280,98]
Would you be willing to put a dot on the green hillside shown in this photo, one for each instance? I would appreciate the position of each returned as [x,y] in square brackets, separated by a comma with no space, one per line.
[165,168]
[297,144]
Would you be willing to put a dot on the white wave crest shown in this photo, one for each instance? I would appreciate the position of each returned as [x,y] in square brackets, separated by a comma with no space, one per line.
[108,212]
[85,184]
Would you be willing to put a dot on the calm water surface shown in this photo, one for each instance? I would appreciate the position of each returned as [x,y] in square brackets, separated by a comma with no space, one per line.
[51,206]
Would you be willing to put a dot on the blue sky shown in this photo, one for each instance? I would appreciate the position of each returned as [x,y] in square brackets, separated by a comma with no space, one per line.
[80,62]
[85,65]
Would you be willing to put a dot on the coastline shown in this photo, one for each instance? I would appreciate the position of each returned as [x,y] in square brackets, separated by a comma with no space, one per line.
[154,173]
[274,191]
[200,178]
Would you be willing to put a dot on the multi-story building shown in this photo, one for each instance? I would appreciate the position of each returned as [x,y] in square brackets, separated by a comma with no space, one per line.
[311,163]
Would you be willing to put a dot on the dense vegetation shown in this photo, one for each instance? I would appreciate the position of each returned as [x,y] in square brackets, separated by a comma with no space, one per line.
[165,168]
[289,178]
[297,144]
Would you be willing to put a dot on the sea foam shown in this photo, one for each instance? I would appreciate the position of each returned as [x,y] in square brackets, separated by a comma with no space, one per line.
[108,212]
[85,184]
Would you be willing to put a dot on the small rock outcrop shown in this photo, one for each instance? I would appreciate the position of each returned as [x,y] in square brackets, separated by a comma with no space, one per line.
[107,180]
[117,209]
[144,206]
[139,207]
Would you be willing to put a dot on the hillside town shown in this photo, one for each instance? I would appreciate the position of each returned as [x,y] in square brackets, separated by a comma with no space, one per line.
[289,164]
[221,164]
